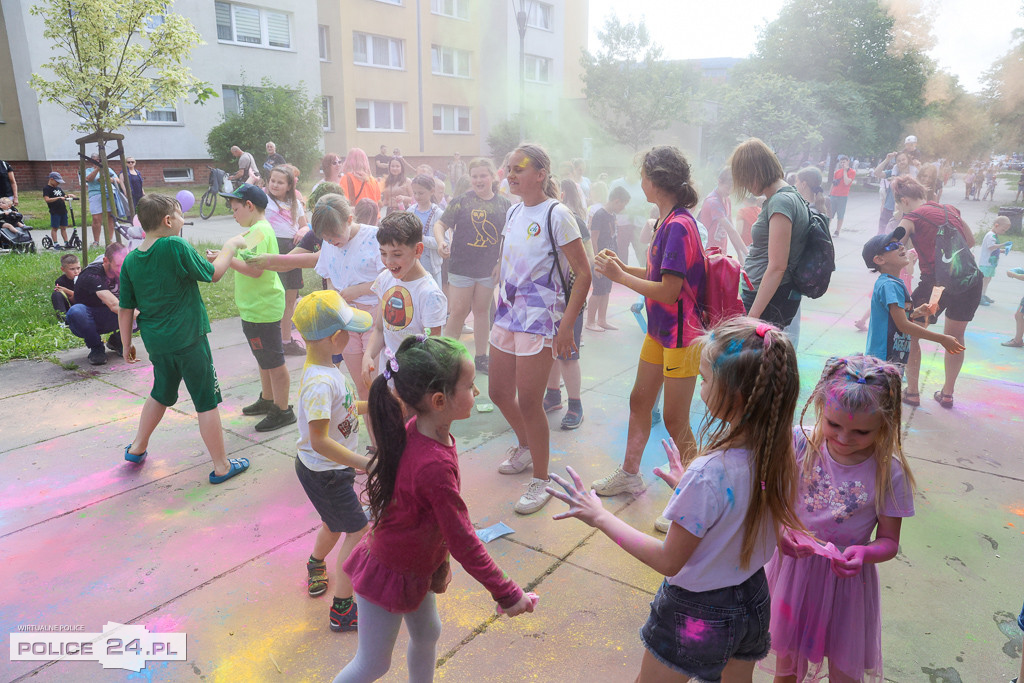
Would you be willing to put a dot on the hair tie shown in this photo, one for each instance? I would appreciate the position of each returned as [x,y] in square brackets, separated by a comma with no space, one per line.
[390,368]
[818,190]
[861,380]
[762,329]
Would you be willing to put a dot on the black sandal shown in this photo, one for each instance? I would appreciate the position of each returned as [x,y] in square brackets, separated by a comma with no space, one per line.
[910,399]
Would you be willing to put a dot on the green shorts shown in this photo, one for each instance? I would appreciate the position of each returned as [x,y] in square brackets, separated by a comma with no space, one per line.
[194,364]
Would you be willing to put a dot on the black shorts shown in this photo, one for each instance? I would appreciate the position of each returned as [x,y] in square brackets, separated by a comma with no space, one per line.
[265,343]
[291,279]
[958,307]
[602,285]
[333,497]
[782,307]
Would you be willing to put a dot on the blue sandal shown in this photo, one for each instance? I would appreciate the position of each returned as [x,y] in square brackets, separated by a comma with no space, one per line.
[238,465]
[131,457]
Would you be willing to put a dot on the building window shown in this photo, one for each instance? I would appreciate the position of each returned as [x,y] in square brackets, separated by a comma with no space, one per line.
[232,97]
[244,25]
[378,51]
[324,33]
[327,110]
[178,175]
[391,2]
[374,115]
[539,16]
[448,61]
[451,119]
[458,9]
[538,69]
[156,115]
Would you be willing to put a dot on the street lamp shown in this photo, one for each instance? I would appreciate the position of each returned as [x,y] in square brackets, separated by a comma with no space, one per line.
[522,14]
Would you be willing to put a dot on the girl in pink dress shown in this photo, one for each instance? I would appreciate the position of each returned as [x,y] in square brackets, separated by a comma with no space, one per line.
[826,618]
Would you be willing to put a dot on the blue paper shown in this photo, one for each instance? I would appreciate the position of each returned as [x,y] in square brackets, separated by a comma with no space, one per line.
[494,531]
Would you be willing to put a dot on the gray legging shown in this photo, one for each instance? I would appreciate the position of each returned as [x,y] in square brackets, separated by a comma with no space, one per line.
[378,631]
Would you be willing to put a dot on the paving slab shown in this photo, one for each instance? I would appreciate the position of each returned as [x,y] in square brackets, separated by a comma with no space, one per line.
[26,376]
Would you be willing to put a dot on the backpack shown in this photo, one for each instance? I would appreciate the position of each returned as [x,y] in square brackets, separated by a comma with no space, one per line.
[812,272]
[955,267]
[569,280]
[721,299]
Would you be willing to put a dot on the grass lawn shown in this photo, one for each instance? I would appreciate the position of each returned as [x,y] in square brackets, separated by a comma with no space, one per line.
[29,326]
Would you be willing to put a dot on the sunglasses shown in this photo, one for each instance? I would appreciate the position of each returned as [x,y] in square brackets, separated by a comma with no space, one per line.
[336,162]
[131,163]
[892,246]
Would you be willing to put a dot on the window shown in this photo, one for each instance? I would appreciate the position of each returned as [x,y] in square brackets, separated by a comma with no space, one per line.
[232,96]
[177,175]
[156,115]
[379,51]
[152,21]
[539,16]
[325,42]
[451,119]
[538,69]
[448,61]
[251,26]
[327,111]
[374,115]
[391,2]
[450,8]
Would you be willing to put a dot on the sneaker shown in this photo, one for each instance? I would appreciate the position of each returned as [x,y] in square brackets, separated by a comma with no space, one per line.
[260,407]
[316,583]
[275,419]
[114,343]
[985,302]
[518,460]
[345,621]
[573,417]
[662,524]
[482,363]
[535,497]
[618,482]
[987,298]
[294,348]
[552,400]
[98,356]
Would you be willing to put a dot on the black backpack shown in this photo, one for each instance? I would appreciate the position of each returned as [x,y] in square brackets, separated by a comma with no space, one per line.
[812,272]
[955,267]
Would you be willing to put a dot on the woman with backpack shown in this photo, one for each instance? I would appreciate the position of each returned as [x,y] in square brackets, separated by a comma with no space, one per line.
[778,235]
[945,259]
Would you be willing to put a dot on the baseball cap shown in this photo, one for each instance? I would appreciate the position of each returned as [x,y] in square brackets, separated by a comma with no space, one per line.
[910,138]
[877,244]
[56,176]
[248,193]
[321,313]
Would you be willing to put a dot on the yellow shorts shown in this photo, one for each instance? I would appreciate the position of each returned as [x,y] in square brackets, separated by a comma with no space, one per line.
[677,363]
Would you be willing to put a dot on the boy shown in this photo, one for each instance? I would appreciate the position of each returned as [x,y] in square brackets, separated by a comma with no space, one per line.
[54,197]
[259,296]
[410,300]
[328,441]
[9,216]
[988,255]
[1018,317]
[602,234]
[890,328]
[160,278]
[63,296]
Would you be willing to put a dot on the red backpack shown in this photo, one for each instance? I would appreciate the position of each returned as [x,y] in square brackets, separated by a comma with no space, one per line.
[721,288]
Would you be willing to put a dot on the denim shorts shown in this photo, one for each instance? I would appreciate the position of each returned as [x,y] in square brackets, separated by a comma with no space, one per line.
[333,497]
[697,634]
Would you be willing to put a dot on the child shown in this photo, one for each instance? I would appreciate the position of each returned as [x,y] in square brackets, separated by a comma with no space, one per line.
[10,217]
[63,296]
[287,217]
[159,279]
[413,489]
[1018,317]
[329,442]
[54,197]
[749,212]
[429,213]
[725,512]
[890,328]
[853,477]
[411,302]
[602,233]
[260,298]
[988,255]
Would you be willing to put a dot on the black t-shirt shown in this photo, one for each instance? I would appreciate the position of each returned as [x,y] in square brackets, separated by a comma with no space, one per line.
[6,190]
[378,160]
[310,242]
[477,225]
[603,223]
[94,279]
[273,160]
[56,208]
[65,281]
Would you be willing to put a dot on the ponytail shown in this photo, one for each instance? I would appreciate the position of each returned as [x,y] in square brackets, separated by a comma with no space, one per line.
[387,420]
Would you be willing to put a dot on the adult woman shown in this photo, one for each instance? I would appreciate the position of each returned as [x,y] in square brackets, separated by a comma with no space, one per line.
[96,203]
[527,333]
[330,169]
[397,192]
[921,220]
[134,180]
[670,355]
[357,180]
[778,235]
[476,219]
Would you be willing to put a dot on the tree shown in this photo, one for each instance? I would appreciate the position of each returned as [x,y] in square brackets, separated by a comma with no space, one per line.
[1004,94]
[629,90]
[286,115]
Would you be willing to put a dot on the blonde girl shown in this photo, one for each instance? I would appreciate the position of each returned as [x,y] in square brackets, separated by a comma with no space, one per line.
[288,218]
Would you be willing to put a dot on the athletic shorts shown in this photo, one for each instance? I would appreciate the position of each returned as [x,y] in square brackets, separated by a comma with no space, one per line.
[519,343]
[58,220]
[265,343]
[194,364]
[463,281]
[359,341]
[333,497]
[958,307]
[987,271]
[291,279]
[602,285]
[676,363]
[839,206]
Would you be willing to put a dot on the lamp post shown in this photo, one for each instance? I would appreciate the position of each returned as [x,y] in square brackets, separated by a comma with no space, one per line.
[521,17]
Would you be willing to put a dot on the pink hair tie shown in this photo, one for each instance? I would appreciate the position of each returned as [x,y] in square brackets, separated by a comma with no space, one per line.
[762,329]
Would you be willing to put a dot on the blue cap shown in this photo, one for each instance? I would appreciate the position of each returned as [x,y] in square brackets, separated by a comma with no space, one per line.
[248,193]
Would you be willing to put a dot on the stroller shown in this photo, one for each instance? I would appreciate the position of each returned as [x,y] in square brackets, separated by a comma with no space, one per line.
[16,239]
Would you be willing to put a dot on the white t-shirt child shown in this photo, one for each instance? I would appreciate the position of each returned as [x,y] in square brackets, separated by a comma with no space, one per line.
[280,218]
[408,307]
[325,394]
[358,261]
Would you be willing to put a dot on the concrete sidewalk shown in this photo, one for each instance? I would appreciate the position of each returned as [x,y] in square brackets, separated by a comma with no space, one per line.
[86,538]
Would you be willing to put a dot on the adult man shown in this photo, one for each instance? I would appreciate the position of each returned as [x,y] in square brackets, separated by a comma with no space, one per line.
[246,166]
[456,168]
[8,185]
[96,305]
[382,161]
[273,158]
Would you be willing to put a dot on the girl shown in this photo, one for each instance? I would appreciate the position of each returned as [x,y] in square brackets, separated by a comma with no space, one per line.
[853,476]
[367,212]
[288,218]
[670,285]
[357,181]
[709,619]
[330,170]
[541,241]
[397,194]
[413,491]
[429,213]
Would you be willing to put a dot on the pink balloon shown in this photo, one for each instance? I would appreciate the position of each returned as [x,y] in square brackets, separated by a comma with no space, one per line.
[186,199]
[135,222]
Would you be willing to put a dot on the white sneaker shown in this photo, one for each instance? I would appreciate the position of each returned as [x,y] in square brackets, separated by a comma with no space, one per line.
[618,482]
[662,524]
[518,460]
[535,497]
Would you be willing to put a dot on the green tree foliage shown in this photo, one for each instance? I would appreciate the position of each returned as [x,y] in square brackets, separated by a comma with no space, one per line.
[288,116]
[957,124]
[630,91]
[1004,95]
[112,60]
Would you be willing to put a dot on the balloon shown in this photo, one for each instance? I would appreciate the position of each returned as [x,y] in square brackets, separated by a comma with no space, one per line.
[186,199]
[135,221]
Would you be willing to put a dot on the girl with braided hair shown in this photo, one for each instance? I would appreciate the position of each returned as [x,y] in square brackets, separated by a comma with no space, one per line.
[854,478]
[709,619]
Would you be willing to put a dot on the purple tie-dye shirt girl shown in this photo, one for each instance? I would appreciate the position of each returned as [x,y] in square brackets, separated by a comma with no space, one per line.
[676,249]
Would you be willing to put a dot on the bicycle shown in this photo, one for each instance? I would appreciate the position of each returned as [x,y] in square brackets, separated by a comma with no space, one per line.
[208,202]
